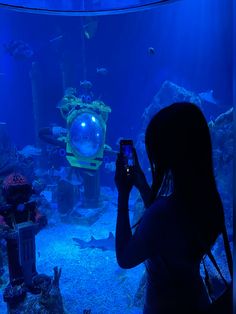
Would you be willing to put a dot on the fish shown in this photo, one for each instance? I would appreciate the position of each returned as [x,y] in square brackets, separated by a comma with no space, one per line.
[19,49]
[102,71]
[90,29]
[70,91]
[56,38]
[151,51]
[86,84]
[208,97]
[106,244]
[90,173]
[30,151]
[67,174]
[110,166]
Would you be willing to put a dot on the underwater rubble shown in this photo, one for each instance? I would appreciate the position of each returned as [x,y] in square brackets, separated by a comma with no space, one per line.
[167,95]
[48,301]
[223,146]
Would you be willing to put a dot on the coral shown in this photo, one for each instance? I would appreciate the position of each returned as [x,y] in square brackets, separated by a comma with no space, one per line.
[48,301]
[223,145]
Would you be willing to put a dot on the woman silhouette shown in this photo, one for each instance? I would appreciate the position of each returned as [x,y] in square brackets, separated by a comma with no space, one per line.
[184,214]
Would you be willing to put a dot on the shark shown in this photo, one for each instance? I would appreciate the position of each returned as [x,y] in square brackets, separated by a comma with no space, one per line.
[208,97]
[104,244]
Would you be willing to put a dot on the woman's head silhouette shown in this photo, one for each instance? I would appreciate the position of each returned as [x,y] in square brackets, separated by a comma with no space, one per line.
[178,141]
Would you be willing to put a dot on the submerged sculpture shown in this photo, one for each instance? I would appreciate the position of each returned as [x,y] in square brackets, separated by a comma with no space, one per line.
[20,221]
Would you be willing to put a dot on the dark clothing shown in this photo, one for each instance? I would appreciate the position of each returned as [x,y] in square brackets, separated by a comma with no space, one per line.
[173,270]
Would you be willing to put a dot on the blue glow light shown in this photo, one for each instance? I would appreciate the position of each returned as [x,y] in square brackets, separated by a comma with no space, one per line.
[83,124]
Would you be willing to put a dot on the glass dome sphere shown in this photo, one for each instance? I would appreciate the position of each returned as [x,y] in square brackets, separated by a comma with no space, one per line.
[81,7]
[86,135]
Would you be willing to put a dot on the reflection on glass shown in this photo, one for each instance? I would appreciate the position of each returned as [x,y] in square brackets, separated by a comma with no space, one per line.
[86,134]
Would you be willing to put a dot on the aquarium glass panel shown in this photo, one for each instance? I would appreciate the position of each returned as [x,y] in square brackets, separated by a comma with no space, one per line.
[78,7]
[75,84]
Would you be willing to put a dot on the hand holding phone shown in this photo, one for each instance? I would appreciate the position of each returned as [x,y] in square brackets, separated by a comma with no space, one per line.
[126,151]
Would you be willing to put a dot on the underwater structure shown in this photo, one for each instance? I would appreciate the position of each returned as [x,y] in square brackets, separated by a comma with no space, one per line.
[76,78]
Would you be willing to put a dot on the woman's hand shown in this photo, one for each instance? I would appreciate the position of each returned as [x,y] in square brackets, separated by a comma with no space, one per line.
[124,181]
[140,181]
[139,177]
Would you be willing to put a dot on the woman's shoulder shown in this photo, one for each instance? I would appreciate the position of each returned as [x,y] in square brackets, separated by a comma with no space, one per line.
[162,206]
[163,203]
[158,218]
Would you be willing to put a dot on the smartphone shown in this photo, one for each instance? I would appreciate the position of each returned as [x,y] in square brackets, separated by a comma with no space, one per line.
[126,150]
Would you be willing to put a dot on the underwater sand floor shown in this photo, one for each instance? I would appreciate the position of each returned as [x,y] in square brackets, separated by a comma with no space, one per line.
[91,278]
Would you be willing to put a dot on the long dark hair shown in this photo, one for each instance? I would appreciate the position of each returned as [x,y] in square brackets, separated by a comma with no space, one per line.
[178,141]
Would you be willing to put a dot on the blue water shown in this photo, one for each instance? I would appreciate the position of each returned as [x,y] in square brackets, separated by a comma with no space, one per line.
[193,48]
